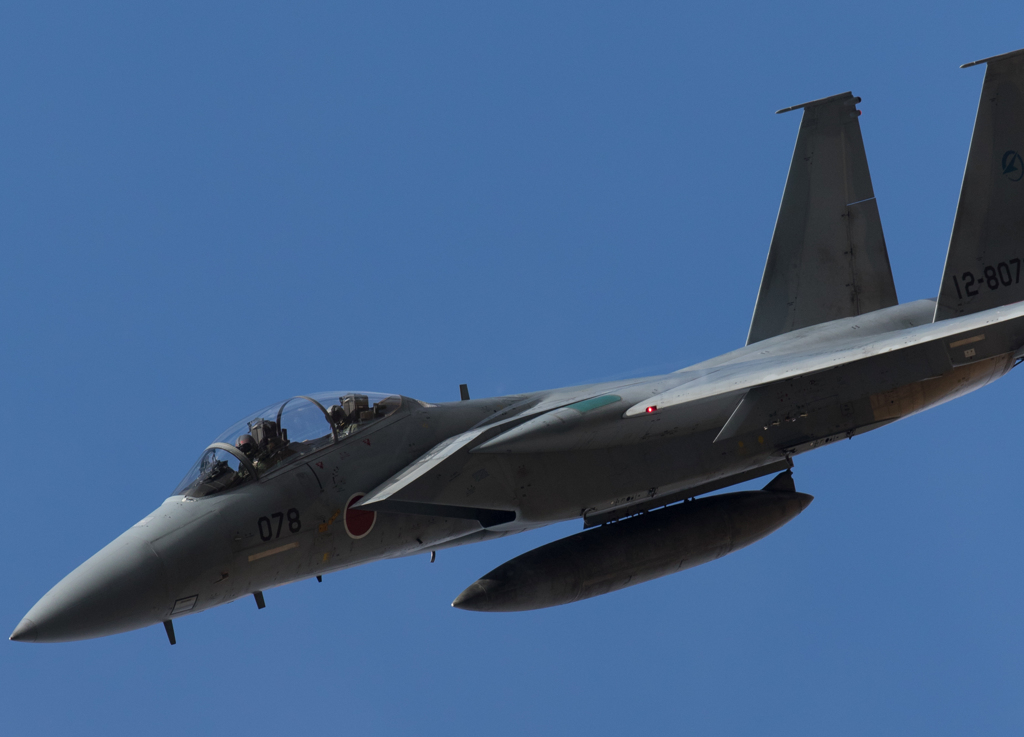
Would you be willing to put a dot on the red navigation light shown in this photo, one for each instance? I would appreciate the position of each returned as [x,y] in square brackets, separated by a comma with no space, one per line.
[652,408]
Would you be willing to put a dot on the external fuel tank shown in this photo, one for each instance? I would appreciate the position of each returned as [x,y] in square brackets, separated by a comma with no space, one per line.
[634,550]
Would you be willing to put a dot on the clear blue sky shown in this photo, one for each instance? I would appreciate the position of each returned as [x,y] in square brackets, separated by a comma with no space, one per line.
[209,207]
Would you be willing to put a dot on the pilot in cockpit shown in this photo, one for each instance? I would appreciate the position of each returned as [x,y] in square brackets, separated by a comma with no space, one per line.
[338,416]
[353,409]
[265,444]
[247,445]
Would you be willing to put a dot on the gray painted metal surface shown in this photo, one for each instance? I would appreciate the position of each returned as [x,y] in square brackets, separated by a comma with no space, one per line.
[827,258]
[328,481]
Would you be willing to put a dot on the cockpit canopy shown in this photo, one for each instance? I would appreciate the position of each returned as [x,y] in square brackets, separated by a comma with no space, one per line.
[281,434]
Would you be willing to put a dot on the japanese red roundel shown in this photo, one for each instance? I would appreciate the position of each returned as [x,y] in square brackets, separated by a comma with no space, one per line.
[358,522]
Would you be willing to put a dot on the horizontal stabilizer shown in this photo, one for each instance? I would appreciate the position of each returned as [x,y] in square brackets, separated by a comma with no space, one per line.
[828,258]
[984,261]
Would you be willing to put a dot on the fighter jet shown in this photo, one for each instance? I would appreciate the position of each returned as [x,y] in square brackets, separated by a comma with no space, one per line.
[327,481]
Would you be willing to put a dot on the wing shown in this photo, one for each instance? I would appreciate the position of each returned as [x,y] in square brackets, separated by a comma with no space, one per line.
[424,486]
[989,335]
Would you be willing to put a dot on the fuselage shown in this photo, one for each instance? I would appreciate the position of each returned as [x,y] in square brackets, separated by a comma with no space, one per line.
[548,456]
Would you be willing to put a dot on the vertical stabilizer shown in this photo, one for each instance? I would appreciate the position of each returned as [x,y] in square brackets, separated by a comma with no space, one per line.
[983,264]
[828,258]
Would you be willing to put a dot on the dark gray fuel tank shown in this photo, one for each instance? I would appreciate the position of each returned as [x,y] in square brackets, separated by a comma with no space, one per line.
[632,551]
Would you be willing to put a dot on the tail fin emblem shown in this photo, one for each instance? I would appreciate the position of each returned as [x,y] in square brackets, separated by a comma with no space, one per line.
[1013,167]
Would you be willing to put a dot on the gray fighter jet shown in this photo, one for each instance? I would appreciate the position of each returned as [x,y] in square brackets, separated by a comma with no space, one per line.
[327,481]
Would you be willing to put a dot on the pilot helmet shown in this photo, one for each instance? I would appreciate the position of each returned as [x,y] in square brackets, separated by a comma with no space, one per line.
[246,444]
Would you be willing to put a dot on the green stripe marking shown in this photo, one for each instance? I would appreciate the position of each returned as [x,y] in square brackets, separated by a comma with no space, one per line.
[588,404]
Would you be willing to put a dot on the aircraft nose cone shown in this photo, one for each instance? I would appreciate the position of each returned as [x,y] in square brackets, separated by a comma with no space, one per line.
[122,587]
[25,631]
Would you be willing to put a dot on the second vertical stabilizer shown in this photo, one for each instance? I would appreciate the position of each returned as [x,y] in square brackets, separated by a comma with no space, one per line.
[828,258]
[984,261]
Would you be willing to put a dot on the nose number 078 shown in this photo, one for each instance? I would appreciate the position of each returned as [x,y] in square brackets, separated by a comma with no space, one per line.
[270,527]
